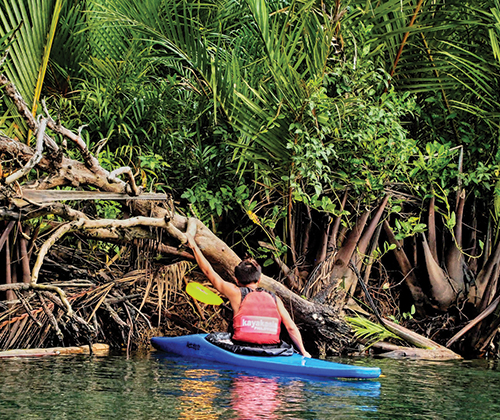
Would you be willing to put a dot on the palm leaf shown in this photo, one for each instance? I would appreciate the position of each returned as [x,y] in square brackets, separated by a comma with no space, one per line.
[370,332]
[266,108]
[30,50]
[169,25]
[46,54]
[445,50]
[259,65]
[70,48]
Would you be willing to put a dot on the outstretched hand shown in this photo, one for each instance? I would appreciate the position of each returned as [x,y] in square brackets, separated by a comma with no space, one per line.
[191,243]
[191,232]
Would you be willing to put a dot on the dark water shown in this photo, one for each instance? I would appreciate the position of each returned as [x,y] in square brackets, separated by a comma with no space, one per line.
[156,387]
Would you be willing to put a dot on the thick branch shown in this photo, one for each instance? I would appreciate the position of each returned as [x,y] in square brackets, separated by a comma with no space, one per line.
[60,232]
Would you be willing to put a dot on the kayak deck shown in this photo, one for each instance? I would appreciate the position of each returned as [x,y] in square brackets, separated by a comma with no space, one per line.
[196,346]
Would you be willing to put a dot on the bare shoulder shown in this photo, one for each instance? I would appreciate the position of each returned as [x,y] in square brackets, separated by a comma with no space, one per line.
[233,293]
[230,290]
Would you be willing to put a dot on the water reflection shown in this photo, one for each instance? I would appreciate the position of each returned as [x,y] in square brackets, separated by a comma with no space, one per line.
[280,397]
[255,398]
[198,393]
[205,391]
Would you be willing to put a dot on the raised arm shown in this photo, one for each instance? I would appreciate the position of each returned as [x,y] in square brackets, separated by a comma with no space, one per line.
[230,290]
[291,327]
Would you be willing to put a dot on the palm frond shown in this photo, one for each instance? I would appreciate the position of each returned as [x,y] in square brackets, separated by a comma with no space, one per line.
[31,47]
[447,48]
[46,54]
[368,331]
[70,48]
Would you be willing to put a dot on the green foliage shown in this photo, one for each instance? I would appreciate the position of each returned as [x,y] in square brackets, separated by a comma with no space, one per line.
[405,315]
[33,25]
[154,166]
[218,101]
[304,124]
[121,103]
[450,60]
[368,331]
[108,209]
[409,227]
[203,202]
[434,167]
[6,41]
[378,253]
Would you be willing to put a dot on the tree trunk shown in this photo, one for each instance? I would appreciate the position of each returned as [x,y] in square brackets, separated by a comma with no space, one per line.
[431,226]
[359,256]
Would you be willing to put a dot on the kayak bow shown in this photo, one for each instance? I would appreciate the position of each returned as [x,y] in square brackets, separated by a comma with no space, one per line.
[195,346]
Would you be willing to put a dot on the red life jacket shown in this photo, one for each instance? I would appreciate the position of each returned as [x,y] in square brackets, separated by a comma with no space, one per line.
[258,320]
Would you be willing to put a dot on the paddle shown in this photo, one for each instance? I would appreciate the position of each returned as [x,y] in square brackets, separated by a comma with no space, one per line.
[199,292]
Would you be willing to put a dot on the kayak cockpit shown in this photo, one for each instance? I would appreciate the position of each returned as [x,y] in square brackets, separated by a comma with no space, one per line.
[224,341]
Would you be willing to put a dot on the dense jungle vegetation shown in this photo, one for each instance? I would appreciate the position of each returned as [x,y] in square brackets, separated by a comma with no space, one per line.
[352,147]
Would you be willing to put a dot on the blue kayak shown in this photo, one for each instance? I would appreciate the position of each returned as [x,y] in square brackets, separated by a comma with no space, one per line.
[196,346]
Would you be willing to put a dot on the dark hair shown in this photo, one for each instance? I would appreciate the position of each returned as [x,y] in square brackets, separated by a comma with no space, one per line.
[248,271]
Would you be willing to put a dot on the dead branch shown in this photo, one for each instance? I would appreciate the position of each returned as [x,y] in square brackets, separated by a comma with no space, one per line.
[52,318]
[61,231]
[27,308]
[14,286]
[34,159]
[59,291]
[126,170]
[24,111]
[90,161]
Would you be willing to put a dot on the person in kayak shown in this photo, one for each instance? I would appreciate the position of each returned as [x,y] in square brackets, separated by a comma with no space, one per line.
[258,313]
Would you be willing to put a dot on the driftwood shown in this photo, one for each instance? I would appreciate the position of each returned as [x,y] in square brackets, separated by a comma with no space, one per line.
[392,351]
[48,196]
[99,349]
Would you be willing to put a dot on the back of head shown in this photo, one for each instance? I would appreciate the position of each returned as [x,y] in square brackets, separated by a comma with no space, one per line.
[248,271]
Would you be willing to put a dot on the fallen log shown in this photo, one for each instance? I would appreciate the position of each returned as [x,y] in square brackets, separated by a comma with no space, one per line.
[392,351]
[426,348]
[100,349]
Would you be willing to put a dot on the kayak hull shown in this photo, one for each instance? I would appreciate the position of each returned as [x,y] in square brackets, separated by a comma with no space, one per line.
[195,346]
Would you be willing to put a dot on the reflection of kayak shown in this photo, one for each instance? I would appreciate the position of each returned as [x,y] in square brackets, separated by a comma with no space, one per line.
[197,347]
